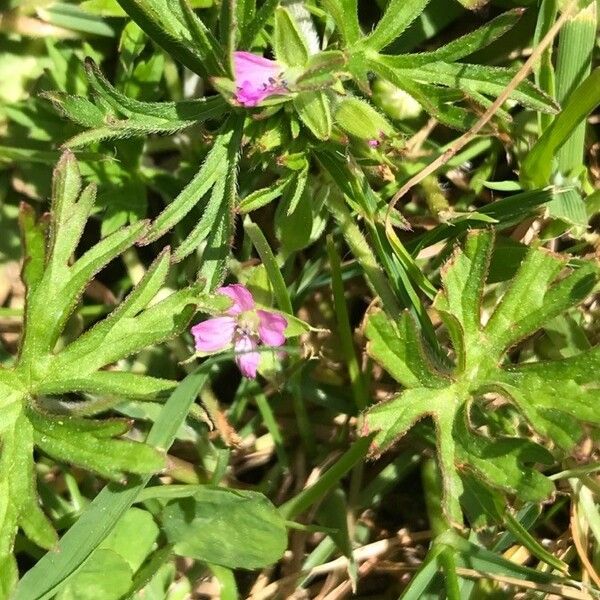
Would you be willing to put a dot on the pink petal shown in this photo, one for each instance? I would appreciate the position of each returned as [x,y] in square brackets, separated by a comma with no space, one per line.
[248,95]
[214,334]
[256,78]
[247,360]
[271,328]
[254,67]
[241,296]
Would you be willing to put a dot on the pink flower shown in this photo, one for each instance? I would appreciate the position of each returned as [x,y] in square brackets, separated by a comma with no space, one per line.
[376,142]
[244,327]
[256,78]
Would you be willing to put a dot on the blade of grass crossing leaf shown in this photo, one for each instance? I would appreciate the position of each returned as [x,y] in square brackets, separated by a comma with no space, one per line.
[307,497]
[411,267]
[486,561]
[388,478]
[536,169]
[402,272]
[529,542]
[53,570]
[345,333]
[363,254]
[424,577]
[544,69]
[575,46]
[527,518]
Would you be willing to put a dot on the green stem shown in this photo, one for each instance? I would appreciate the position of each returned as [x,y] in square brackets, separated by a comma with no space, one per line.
[285,304]
[270,422]
[359,390]
[270,262]
[439,524]
[363,254]
[298,504]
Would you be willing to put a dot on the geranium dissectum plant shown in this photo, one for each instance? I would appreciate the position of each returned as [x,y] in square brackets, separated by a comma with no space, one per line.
[243,327]
[401,292]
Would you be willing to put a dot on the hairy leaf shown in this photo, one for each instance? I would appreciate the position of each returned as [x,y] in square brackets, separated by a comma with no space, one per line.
[553,398]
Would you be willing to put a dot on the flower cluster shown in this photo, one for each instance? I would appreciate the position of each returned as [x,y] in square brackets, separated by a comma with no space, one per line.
[243,327]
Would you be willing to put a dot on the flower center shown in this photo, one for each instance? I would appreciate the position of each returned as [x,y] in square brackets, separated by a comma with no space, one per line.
[247,323]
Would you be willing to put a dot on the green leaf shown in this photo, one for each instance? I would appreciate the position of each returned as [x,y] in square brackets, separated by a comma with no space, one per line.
[218,242]
[314,111]
[33,235]
[535,388]
[101,516]
[398,347]
[534,297]
[166,24]
[570,208]
[231,528]
[106,577]
[92,449]
[345,15]
[573,64]
[214,168]
[463,46]
[141,118]
[72,17]
[80,110]
[478,79]
[43,368]
[294,221]
[552,398]
[398,15]
[436,101]
[252,29]
[323,70]
[288,42]
[261,197]
[51,303]
[537,168]
[133,538]
[204,40]
[357,117]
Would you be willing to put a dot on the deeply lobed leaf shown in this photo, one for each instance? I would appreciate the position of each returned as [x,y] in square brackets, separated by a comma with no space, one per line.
[553,398]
